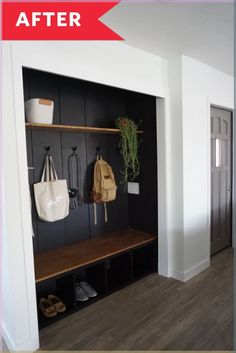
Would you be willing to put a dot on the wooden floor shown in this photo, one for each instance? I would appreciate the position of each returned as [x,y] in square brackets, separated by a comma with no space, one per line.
[155,314]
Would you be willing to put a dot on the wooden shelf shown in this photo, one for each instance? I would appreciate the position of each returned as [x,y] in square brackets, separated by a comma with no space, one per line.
[74,128]
[65,259]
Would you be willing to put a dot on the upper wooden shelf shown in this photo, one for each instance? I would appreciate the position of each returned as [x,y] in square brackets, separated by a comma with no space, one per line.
[74,128]
[67,258]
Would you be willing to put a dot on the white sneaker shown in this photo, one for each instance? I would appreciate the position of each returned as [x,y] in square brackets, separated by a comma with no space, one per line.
[89,291]
[80,294]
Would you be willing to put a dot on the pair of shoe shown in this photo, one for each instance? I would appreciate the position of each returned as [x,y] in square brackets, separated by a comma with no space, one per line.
[83,291]
[51,306]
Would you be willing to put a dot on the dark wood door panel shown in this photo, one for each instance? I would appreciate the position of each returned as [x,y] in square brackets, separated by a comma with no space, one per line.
[221,179]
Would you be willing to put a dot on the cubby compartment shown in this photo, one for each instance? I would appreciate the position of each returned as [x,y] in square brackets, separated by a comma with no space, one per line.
[45,288]
[79,275]
[144,260]
[63,288]
[96,277]
[119,271]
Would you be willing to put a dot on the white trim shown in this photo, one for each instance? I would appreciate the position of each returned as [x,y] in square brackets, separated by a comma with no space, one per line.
[83,71]
[208,176]
[25,205]
[191,272]
[21,318]
[26,346]
[162,186]
[195,270]
[179,276]
[7,339]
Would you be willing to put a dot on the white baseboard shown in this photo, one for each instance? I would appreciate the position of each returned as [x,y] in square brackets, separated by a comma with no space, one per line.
[177,275]
[192,272]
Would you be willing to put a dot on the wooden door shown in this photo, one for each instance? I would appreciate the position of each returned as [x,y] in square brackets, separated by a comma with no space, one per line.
[221,179]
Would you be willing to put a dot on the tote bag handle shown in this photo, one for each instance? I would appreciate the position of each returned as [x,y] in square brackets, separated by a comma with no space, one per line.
[45,170]
[53,172]
[49,170]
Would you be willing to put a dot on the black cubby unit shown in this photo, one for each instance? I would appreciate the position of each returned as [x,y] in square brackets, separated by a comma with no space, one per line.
[119,271]
[144,260]
[106,277]
[79,275]
[96,277]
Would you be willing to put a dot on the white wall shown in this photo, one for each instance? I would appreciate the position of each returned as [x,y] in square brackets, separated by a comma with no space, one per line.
[115,64]
[202,86]
[175,176]
[194,86]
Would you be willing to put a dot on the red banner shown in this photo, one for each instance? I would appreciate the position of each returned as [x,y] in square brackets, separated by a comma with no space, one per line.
[56,21]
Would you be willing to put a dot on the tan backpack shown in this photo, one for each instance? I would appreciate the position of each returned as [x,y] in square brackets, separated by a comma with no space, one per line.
[104,186]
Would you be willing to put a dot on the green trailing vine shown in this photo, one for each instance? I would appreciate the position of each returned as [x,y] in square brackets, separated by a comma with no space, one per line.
[129,149]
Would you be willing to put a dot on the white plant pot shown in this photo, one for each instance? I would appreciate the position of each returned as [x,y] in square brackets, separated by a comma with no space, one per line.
[39,110]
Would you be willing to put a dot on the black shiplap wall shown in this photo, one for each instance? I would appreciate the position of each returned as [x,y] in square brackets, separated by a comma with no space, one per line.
[79,102]
[143,208]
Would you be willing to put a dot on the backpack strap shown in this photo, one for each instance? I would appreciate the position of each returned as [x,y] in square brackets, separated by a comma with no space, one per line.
[105,212]
[95,213]
[98,157]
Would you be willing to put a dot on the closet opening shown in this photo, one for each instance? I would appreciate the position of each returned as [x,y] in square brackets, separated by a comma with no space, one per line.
[74,250]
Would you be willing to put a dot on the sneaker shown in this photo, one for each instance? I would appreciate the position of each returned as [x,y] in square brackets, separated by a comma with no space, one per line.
[80,294]
[89,291]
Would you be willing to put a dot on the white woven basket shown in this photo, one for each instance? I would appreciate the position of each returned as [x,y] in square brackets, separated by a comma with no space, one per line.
[39,110]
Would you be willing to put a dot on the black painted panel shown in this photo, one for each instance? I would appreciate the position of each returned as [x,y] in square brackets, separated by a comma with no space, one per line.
[77,223]
[118,210]
[84,103]
[115,105]
[143,207]
[95,105]
[72,113]
[25,84]
[71,102]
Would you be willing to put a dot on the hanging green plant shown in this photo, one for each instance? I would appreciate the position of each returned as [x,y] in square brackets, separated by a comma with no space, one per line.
[129,148]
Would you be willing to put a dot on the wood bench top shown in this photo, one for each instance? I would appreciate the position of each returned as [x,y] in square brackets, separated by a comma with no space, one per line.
[58,261]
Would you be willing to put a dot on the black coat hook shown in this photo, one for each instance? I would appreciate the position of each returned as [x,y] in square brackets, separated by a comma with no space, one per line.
[74,148]
[47,149]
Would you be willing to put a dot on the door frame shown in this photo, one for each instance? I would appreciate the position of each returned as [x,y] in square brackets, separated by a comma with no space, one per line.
[213,104]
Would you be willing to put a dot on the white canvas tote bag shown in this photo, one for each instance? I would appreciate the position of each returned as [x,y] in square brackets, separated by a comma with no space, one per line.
[51,194]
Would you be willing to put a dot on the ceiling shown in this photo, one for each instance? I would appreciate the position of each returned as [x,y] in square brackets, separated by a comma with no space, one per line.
[203,31]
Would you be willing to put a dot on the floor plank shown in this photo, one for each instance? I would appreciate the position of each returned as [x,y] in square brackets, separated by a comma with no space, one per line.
[155,314]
